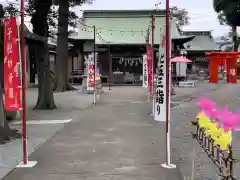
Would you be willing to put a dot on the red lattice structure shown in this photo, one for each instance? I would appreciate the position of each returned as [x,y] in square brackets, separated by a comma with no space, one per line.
[227,60]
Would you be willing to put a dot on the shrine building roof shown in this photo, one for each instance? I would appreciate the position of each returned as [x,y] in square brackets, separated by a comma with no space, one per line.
[124,27]
[202,41]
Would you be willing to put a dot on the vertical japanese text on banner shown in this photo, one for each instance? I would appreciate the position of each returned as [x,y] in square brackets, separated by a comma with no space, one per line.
[11,66]
[160,100]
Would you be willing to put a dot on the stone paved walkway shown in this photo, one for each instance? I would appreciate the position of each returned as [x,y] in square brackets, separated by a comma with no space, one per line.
[114,140]
[119,123]
[70,105]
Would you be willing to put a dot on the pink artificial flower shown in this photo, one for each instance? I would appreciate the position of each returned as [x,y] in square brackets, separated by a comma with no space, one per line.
[206,103]
[230,121]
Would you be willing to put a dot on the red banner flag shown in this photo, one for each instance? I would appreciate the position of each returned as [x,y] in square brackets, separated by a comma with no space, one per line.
[91,77]
[11,66]
[150,73]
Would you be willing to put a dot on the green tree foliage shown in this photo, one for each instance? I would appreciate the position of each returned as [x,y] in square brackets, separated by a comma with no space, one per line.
[222,18]
[219,5]
[53,16]
[180,14]
[228,14]
[230,9]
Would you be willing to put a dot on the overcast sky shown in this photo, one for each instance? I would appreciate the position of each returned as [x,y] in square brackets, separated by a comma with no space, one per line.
[201,12]
[202,15]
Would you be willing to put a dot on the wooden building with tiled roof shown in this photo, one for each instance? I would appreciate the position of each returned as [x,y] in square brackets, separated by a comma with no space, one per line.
[196,48]
[121,35]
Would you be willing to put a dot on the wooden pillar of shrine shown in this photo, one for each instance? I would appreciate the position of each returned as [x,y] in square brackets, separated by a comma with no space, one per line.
[213,68]
[228,60]
[232,69]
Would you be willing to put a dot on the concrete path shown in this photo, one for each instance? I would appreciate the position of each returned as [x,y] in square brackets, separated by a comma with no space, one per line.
[73,105]
[187,94]
[117,139]
[70,105]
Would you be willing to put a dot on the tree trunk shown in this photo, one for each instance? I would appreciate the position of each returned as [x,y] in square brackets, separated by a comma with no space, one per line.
[32,65]
[40,27]
[235,38]
[61,72]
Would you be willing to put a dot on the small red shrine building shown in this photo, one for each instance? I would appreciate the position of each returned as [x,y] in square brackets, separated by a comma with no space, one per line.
[225,60]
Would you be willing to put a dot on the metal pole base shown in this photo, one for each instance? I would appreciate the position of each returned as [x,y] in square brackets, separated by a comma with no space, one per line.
[29,164]
[148,98]
[168,166]
[94,98]
[98,96]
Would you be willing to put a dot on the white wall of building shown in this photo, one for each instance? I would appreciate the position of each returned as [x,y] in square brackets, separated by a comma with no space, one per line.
[181,69]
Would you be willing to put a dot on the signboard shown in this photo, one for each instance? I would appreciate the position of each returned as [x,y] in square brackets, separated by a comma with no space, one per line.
[160,100]
[145,72]
[11,66]
[90,73]
[149,65]
[202,59]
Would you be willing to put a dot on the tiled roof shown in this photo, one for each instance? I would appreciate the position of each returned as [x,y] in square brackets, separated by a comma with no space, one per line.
[123,27]
[202,41]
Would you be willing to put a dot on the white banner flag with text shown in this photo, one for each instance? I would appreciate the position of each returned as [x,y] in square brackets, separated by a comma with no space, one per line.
[145,72]
[160,92]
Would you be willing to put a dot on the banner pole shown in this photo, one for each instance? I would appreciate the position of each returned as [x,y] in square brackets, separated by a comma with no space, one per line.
[94,63]
[168,164]
[25,163]
[24,125]
[19,54]
[148,64]
[1,88]
[153,60]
